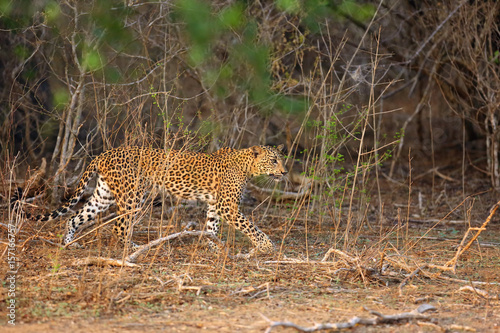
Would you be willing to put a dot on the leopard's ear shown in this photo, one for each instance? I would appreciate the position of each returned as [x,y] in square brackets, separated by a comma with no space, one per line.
[257,150]
[280,148]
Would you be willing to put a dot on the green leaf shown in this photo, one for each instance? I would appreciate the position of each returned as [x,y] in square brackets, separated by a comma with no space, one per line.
[200,23]
[197,54]
[360,12]
[113,75]
[289,6]
[60,97]
[92,60]
[52,11]
[21,51]
[293,105]
[5,7]
[232,16]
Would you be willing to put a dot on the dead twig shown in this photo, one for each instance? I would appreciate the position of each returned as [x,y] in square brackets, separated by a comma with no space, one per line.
[340,253]
[409,277]
[108,261]
[461,249]
[479,292]
[356,321]
[447,278]
[300,262]
[130,260]
[437,173]
[263,193]
[146,247]
[450,266]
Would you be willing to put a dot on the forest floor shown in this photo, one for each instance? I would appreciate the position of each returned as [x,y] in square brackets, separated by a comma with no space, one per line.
[182,287]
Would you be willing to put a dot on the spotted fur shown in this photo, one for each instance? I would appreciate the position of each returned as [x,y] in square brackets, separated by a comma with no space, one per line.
[126,175]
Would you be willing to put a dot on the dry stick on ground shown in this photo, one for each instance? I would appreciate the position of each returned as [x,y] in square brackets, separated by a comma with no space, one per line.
[146,247]
[101,261]
[447,278]
[129,261]
[342,254]
[274,194]
[480,292]
[451,265]
[356,321]
[461,248]
[409,277]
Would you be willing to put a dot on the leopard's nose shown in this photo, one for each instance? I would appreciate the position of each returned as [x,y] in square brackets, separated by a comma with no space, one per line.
[284,173]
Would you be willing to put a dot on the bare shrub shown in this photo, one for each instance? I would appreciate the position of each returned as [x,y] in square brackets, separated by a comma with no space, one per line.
[449,52]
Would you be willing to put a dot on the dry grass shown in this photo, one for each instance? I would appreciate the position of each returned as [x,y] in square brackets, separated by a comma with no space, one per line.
[357,230]
[182,286]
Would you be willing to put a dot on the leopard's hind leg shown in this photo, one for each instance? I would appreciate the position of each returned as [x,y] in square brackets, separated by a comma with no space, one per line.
[100,200]
[129,207]
[213,225]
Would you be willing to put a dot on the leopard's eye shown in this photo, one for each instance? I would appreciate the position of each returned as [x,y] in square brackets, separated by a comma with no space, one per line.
[274,161]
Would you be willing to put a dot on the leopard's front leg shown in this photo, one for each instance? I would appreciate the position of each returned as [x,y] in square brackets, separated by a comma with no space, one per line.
[229,211]
[259,239]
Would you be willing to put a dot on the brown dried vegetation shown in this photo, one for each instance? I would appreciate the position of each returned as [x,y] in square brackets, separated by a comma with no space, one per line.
[392,130]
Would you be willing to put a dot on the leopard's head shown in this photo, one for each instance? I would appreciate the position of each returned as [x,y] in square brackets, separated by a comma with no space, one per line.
[268,161]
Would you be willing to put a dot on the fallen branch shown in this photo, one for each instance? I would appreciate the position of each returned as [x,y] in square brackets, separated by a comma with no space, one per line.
[146,247]
[408,278]
[108,261]
[436,172]
[132,258]
[444,239]
[340,253]
[356,321]
[292,261]
[461,249]
[451,265]
[447,278]
[433,221]
[275,194]
[479,292]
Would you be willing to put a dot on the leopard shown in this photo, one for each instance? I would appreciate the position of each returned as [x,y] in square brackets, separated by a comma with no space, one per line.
[126,175]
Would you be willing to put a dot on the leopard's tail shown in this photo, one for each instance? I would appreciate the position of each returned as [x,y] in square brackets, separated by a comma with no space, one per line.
[80,189]
[89,173]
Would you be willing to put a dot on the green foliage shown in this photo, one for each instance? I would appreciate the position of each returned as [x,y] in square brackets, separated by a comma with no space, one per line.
[205,28]
[52,12]
[92,60]
[359,12]
[202,27]
[244,65]
[56,264]
[316,12]
[100,27]
[328,166]
[232,16]
[108,18]
[496,57]
[231,47]
[208,127]
[289,6]
[5,7]
[60,97]
[21,51]
[292,105]
[18,14]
